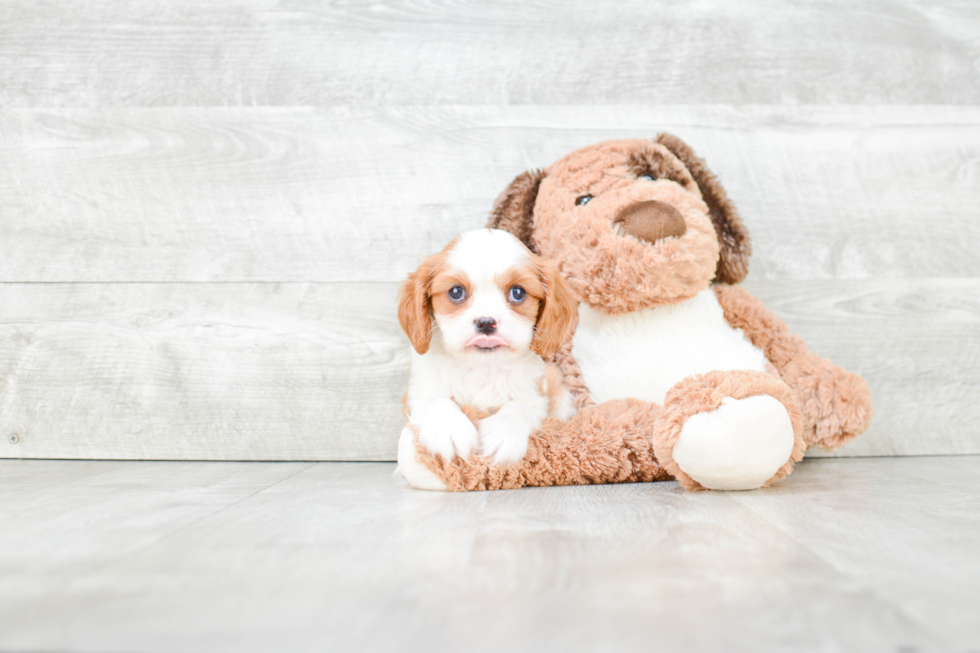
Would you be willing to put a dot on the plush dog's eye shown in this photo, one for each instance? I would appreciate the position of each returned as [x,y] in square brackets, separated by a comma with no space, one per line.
[457,294]
[582,200]
[648,177]
[516,294]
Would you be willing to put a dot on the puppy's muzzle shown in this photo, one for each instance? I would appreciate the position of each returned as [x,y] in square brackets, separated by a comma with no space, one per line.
[651,221]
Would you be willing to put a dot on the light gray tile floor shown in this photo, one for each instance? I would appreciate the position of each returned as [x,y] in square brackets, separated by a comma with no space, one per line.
[851,555]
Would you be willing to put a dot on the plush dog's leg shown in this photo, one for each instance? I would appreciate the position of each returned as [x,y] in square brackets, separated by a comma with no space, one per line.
[836,404]
[736,430]
[608,443]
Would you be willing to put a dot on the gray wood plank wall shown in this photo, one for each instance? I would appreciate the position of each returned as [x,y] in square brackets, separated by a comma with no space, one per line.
[205,208]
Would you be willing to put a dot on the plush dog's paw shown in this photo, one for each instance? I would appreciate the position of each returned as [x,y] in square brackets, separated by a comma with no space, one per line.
[446,431]
[738,446]
[504,438]
[849,413]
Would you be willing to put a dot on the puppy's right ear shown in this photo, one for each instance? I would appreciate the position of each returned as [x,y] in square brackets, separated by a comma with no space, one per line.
[414,303]
[513,209]
[556,314]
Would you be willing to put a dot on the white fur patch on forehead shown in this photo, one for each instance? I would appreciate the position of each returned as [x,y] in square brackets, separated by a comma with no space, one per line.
[484,253]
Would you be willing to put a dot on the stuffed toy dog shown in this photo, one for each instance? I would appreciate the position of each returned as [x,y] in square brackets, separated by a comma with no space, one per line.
[676,372]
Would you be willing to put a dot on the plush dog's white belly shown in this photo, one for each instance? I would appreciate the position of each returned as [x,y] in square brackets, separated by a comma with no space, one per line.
[643,354]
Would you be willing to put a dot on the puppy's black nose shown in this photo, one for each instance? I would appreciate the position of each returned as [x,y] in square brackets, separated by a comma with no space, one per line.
[485,325]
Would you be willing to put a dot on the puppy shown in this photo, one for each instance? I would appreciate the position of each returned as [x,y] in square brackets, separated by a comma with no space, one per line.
[498,311]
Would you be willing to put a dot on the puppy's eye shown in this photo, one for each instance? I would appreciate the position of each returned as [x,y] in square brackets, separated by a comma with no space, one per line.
[457,294]
[582,200]
[647,177]
[516,294]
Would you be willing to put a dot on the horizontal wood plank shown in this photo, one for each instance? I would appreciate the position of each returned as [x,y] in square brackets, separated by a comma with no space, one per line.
[345,194]
[316,371]
[191,371]
[255,52]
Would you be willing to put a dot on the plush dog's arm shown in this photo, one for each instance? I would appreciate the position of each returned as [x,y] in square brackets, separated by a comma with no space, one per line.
[836,404]
[605,443]
[571,372]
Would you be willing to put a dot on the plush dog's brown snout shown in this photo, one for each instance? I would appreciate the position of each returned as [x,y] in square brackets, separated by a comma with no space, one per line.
[651,221]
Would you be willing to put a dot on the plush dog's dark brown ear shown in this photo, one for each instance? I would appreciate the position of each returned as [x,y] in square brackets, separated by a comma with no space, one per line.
[513,209]
[733,264]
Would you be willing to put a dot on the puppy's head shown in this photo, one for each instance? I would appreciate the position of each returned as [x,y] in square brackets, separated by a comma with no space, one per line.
[489,295]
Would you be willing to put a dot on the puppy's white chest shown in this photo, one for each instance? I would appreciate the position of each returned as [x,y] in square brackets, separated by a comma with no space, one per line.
[643,354]
[491,388]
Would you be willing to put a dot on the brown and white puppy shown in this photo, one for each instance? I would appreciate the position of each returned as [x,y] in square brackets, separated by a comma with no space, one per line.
[481,315]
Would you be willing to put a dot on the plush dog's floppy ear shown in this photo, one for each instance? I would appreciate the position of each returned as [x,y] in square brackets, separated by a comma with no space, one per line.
[414,303]
[513,209]
[733,264]
[556,312]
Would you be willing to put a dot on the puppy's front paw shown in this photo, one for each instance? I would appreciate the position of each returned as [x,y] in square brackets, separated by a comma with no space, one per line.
[504,438]
[446,431]
[418,475]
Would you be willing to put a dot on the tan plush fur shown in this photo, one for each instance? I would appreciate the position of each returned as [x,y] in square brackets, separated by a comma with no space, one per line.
[551,387]
[567,212]
[836,404]
[603,268]
[610,443]
[570,370]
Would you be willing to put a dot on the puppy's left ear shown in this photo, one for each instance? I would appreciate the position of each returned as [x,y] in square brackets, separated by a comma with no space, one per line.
[556,313]
[733,237]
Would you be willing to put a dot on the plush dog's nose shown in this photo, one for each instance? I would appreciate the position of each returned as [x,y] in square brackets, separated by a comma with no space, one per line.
[485,325]
[651,221]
